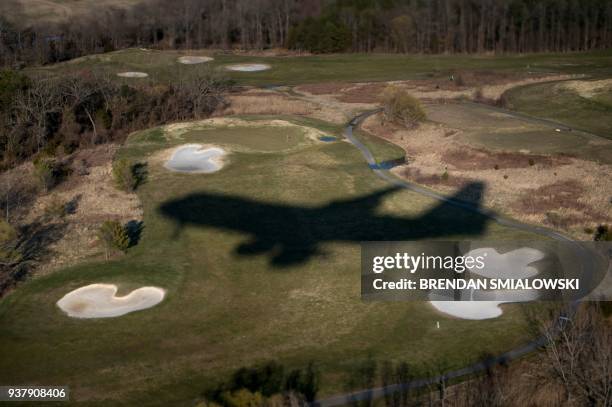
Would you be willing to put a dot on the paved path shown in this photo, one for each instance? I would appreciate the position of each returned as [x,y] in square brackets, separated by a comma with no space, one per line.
[378,392]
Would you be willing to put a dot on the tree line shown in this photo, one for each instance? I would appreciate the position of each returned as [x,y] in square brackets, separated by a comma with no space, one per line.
[457,26]
[53,116]
[403,26]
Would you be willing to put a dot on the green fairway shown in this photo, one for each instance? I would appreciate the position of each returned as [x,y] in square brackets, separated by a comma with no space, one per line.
[490,128]
[162,66]
[261,262]
[552,101]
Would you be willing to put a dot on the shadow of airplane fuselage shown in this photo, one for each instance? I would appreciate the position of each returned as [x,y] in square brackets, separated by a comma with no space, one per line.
[292,234]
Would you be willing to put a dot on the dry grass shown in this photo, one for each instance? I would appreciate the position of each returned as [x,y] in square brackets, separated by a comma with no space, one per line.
[588,89]
[257,101]
[480,159]
[328,88]
[95,200]
[57,11]
[556,191]
[482,85]
[264,103]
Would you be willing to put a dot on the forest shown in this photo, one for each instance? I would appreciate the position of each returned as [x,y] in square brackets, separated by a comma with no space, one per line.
[317,26]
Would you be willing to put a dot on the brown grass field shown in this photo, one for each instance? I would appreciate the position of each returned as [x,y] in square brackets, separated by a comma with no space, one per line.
[45,11]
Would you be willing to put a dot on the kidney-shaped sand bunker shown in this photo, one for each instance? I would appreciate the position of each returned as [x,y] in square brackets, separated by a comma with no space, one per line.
[478,305]
[100,301]
[195,158]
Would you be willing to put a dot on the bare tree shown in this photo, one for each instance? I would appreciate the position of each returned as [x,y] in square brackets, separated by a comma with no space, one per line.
[579,355]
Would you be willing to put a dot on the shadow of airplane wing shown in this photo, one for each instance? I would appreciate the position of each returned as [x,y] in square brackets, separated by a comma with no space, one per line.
[293,234]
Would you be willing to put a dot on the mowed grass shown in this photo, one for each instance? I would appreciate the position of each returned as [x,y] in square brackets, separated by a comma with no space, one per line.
[549,100]
[162,66]
[260,262]
[494,129]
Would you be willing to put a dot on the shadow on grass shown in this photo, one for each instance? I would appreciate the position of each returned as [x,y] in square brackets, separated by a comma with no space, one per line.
[292,234]
[134,231]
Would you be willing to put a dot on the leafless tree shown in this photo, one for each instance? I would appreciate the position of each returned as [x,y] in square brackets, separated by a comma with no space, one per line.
[579,355]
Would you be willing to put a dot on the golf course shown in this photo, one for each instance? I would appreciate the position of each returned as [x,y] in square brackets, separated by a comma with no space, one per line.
[260,261]
[248,250]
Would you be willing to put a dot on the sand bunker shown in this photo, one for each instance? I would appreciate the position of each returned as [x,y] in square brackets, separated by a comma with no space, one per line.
[248,67]
[478,305]
[99,301]
[191,60]
[514,264]
[133,75]
[195,158]
[478,309]
[473,310]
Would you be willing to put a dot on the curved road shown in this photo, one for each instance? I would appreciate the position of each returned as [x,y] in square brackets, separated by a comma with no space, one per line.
[378,392]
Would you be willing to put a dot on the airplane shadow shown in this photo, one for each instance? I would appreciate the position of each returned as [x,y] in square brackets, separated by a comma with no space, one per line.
[293,234]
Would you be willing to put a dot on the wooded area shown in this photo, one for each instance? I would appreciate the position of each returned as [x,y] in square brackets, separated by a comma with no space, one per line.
[56,115]
[407,26]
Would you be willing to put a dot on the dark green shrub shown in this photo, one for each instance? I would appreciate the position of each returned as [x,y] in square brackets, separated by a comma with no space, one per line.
[114,237]
[104,117]
[124,176]
[48,171]
[603,234]
[9,254]
[531,162]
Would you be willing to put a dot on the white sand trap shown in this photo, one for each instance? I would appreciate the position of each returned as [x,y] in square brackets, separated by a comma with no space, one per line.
[474,310]
[248,67]
[195,158]
[514,264]
[479,310]
[132,74]
[478,305]
[99,301]
[191,60]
